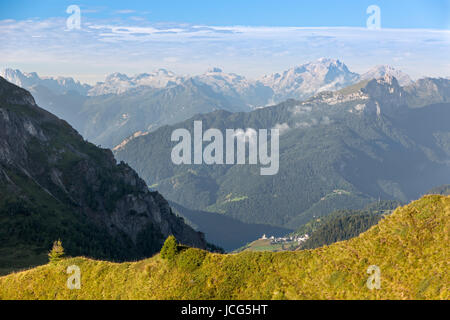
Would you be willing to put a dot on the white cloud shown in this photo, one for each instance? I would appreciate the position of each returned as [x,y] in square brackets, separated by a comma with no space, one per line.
[125,11]
[301,109]
[302,124]
[282,127]
[249,135]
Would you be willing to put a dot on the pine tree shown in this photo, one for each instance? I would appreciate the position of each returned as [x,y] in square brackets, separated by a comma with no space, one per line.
[57,252]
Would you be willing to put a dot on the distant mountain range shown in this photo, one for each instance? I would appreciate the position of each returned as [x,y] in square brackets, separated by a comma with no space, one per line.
[342,149]
[299,82]
[118,83]
[113,110]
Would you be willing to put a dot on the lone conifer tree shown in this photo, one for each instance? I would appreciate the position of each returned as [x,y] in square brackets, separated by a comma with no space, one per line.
[57,252]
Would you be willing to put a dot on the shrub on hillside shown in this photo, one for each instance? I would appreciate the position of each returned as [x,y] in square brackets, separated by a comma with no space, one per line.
[169,249]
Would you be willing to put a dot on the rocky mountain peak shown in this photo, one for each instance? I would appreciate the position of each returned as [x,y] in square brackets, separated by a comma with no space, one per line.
[12,94]
[116,76]
[304,81]
[382,70]
[386,86]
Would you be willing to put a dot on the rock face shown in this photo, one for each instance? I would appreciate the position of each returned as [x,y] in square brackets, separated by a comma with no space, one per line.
[75,190]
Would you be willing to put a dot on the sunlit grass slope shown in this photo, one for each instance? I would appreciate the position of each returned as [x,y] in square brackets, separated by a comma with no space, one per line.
[411,247]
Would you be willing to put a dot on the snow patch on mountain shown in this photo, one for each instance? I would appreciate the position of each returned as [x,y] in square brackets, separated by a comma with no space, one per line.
[382,70]
[253,93]
[230,83]
[118,83]
[308,79]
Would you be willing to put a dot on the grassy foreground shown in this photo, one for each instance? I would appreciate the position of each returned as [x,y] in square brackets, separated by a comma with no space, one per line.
[411,248]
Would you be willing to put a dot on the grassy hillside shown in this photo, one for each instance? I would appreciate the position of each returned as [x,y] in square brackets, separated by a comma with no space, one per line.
[410,247]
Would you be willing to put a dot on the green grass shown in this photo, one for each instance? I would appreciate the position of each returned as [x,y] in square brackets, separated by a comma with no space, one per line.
[410,246]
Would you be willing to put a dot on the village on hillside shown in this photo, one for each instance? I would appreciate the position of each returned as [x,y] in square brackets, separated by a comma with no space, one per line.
[275,244]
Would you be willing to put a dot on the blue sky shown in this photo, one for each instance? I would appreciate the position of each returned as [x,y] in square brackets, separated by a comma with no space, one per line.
[251,38]
[318,13]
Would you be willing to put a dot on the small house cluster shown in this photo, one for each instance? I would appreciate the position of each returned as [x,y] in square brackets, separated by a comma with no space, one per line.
[296,238]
